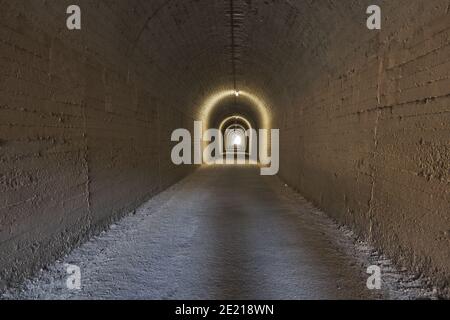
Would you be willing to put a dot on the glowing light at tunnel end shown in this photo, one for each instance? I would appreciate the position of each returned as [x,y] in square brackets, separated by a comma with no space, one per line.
[265,138]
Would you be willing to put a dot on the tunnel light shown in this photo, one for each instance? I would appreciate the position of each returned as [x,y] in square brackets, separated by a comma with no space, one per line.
[212,102]
[236,93]
[237,141]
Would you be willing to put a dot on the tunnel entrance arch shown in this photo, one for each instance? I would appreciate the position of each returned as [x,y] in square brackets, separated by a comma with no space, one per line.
[224,108]
[234,131]
[235,139]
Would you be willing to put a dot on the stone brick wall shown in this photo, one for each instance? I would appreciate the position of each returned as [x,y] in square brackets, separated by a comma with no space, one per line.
[85,132]
[373,132]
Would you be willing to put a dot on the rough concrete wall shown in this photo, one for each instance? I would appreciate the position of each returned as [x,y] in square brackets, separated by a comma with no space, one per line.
[83,136]
[371,135]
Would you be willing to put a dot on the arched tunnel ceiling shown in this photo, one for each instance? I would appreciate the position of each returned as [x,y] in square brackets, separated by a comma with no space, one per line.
[205,46]
[235,106]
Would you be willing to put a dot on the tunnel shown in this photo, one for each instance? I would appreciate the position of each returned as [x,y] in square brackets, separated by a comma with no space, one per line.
[359,118]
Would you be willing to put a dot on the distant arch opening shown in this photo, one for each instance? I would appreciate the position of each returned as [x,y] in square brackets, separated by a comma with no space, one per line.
[236,140]
[234,130]
[224,108]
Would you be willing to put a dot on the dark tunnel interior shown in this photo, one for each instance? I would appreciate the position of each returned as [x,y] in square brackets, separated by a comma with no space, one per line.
[86,118]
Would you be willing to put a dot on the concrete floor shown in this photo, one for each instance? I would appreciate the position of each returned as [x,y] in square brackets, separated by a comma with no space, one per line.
[225,232]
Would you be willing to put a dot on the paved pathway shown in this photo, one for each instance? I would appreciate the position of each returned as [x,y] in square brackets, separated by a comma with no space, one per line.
[225,232]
